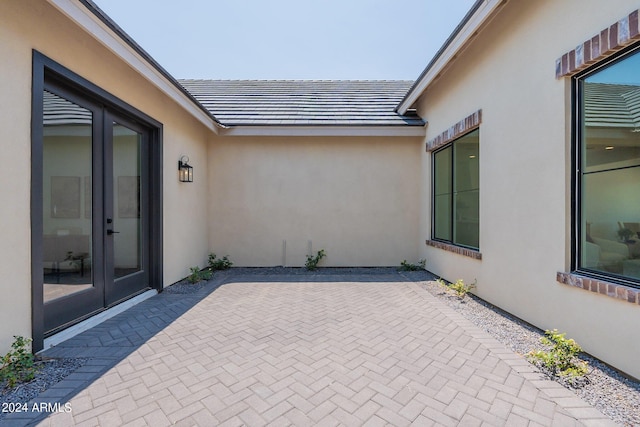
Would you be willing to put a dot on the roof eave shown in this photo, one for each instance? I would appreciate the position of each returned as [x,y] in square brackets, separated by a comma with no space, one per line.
[478,16]
[88,16]
[300,130]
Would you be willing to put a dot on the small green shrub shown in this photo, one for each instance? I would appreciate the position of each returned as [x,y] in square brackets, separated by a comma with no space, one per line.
[216,263]
[194,277]
[198,275]
[312,261]
[18,365]
[206,274]
[460,288]
[406,266]
[561,359]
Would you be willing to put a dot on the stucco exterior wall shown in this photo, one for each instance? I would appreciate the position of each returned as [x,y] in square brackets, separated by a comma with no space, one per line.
[33,24]
[357,198]
[508,71]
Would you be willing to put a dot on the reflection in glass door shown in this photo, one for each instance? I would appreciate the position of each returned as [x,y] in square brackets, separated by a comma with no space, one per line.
[126,183]
[72,275]
[67,198]
[125,209]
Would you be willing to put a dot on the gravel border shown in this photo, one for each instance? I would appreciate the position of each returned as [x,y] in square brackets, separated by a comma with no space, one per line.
[184,287]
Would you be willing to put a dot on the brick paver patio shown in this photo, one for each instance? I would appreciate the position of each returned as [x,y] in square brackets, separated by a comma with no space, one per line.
[303,350]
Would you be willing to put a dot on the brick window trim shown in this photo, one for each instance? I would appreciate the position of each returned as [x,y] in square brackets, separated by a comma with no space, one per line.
[471,253]
[612,290]
[464,126]
[608,41]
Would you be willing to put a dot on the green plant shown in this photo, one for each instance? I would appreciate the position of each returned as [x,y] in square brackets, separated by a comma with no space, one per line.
[18,365]
[216,263]
[312,261]
[406,266]
[197,275]
[624,234]
[459,287]
[206,274]
[561,359]
[194,277]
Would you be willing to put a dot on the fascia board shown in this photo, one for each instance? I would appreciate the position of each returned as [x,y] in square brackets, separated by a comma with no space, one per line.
[484,10]
[91,24]
[403,131]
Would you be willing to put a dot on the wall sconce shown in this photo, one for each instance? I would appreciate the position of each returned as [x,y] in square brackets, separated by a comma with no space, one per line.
[185,172]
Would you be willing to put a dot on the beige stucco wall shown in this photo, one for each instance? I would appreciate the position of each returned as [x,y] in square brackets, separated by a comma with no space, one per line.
[525,163]
[33,24]
[355,197]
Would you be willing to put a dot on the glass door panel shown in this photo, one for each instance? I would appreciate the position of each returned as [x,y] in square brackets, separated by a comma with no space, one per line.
[125,208]
[67,198]
[127,257]
[72,271]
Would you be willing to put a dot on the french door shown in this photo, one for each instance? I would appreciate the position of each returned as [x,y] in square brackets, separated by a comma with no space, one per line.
[95,207]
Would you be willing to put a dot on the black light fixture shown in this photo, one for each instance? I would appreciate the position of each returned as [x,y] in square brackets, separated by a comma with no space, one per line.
[185,172]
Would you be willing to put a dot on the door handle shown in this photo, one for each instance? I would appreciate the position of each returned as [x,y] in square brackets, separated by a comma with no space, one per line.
[110,232]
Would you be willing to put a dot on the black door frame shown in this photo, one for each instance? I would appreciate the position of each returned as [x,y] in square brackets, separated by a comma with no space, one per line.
[45,69]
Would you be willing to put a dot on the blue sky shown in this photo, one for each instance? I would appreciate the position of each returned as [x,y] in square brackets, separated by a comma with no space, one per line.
[623,72]
[290,39]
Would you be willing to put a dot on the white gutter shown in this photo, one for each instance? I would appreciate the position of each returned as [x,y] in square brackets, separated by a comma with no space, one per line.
[402,131]
[91,24]
[468,29]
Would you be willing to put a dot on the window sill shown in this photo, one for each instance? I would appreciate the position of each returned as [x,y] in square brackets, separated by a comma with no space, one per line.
[471,253]
[612,290]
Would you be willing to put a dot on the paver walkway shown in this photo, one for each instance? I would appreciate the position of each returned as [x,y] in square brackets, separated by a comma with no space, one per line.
[303,350]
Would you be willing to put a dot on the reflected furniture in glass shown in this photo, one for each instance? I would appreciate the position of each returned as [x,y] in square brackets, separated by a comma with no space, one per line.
[66,253]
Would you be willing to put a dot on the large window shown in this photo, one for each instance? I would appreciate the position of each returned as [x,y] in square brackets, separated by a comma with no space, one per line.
[608,161]
[456,192]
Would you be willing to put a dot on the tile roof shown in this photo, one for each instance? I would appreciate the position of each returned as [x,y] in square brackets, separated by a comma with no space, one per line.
[59,111]
[611,105]
[304,102]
